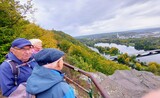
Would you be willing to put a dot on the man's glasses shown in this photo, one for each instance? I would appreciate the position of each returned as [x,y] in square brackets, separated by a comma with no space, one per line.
[24,48]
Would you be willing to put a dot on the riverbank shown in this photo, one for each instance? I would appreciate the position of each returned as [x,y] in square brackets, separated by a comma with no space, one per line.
[130,50]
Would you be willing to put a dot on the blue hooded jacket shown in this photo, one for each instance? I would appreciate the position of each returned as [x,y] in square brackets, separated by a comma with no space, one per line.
[48,83]
[7,80]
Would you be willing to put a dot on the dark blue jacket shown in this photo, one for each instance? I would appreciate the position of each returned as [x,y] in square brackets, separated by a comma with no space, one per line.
[7,80]
[48,83]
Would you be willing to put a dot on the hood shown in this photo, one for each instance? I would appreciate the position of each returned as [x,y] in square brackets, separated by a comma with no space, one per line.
[41,80]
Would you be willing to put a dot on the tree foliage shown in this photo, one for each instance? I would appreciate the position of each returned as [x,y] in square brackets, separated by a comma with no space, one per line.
[10,22]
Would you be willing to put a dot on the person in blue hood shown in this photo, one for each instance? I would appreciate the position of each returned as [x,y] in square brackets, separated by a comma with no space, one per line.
[21,55]
[46,80]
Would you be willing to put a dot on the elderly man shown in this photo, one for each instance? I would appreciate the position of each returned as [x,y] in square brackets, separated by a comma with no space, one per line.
[20,57]
[46,80]
[37,45]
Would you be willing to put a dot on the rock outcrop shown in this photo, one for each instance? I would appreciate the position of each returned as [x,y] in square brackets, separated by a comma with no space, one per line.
[128,83]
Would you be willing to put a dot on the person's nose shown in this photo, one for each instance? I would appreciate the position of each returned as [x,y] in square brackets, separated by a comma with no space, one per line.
[28,51]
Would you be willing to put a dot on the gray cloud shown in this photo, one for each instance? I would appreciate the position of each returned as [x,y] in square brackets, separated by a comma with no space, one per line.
[83,17]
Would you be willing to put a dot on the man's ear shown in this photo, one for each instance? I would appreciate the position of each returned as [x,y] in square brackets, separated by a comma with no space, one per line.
[12,50]
[58,63]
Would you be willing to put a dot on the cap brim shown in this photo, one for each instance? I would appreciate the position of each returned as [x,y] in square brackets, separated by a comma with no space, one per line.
[25,44]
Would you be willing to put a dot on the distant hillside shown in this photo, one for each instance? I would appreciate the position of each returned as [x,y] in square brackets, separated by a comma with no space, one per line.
[83,57]
[114,34]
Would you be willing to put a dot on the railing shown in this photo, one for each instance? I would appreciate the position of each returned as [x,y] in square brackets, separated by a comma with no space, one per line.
[99,88]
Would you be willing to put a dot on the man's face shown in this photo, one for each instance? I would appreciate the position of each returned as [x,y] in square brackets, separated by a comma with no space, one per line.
[22,54]
[36,49]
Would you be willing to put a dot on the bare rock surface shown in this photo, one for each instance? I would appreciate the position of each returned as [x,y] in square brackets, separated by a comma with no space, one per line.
[128,83]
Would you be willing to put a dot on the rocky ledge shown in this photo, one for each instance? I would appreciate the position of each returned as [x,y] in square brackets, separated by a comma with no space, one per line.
[128,83]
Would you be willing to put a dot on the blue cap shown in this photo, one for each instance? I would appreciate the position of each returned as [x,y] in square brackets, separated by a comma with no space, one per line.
[21,42]
[48,55]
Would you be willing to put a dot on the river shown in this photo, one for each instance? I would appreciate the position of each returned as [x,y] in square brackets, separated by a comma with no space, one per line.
[131,51]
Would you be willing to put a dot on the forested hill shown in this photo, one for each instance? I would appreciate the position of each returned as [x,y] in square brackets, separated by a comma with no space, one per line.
[13,25]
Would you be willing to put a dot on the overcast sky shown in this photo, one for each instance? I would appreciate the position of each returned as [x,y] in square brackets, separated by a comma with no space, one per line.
[85,17]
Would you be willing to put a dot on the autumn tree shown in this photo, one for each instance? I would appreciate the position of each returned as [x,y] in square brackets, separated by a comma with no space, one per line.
[113,51]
